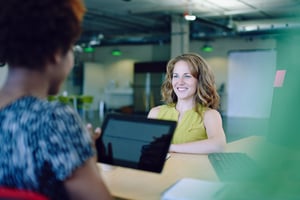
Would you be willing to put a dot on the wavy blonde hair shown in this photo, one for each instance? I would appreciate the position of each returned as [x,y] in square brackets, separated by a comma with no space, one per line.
[206,92]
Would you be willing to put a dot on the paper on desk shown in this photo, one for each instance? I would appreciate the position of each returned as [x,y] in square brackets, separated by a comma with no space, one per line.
[192,189]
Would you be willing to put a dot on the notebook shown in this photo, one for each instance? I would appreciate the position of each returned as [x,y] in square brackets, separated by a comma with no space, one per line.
[135,141]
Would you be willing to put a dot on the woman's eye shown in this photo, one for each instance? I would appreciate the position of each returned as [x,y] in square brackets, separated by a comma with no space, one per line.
[174,76]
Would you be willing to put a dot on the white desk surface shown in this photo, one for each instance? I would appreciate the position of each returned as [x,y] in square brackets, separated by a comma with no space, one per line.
[125,183]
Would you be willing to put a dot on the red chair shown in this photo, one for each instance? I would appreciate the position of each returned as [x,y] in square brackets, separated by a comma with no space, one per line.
[19,194]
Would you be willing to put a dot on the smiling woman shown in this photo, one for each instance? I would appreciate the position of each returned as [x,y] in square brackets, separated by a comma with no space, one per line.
[191,98]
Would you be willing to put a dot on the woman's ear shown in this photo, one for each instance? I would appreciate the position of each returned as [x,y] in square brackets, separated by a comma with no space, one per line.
[54,61]
[57,57]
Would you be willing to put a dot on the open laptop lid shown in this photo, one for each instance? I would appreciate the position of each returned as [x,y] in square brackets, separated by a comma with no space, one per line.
[135,142]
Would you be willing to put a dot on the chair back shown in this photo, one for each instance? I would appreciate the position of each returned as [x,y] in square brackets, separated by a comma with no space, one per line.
[19,194]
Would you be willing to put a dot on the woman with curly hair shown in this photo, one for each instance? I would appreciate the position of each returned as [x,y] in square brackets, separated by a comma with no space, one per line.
[45,147]
[191,99]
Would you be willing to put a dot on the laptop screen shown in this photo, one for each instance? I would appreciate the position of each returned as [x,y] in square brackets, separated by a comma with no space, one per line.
[135,141]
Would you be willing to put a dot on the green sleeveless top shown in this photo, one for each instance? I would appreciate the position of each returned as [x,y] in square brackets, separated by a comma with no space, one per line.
[190,128]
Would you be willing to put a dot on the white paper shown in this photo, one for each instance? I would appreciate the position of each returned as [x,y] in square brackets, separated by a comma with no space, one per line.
[192,189]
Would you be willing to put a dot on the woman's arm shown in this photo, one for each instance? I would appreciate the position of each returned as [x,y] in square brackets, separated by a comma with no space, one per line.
[86,183]
[216,137]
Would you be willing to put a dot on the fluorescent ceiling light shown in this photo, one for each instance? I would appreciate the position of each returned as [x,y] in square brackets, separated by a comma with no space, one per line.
[189,17]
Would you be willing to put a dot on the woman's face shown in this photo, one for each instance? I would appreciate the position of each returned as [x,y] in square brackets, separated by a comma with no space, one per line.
[184,84]
[62,67]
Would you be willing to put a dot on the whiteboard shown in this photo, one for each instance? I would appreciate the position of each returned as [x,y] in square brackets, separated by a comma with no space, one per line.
[250,83]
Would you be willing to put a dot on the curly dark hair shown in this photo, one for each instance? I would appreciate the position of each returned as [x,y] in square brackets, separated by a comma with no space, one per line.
[206,89]
[32,31]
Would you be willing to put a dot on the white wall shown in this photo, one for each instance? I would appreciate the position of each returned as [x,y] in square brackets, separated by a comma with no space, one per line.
[3,73]
[102,70]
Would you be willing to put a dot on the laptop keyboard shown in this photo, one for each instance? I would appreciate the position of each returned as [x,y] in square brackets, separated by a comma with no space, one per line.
[233,166]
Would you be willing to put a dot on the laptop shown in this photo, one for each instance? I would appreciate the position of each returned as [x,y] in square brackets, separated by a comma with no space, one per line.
[134,141]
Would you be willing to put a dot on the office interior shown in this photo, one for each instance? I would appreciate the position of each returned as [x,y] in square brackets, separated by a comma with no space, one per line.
[111,79]
[257,76]
[244,63]
[246,95]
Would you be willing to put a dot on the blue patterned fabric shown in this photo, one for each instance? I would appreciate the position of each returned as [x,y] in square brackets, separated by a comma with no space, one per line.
[42,143]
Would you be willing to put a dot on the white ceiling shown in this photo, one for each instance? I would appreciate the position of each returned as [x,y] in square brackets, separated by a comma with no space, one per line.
[148,21]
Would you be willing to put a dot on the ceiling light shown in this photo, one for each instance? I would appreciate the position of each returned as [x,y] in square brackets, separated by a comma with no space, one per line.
[188,14]
[94,42]
[207,48]
[231,23]
[116,52]
[88,49]
[189,17]
[77,49]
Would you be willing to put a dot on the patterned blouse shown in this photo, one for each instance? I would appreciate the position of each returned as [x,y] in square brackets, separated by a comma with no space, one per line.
[42,143]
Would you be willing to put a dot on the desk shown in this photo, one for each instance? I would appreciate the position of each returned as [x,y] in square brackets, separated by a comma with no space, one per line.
[128,183]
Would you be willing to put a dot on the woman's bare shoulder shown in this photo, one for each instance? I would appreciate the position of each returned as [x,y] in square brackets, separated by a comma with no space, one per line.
[153,113]
[212,114]
[211,111]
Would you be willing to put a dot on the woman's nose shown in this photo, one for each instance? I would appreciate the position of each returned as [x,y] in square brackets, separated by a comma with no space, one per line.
[180,80]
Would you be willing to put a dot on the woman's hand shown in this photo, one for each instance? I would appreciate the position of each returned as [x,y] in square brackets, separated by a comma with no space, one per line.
[95,134]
